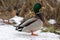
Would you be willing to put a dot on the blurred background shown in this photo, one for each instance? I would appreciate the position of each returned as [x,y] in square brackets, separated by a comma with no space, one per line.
[50,9]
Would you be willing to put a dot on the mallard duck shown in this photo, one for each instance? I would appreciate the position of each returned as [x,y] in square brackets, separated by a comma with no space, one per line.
[33,24]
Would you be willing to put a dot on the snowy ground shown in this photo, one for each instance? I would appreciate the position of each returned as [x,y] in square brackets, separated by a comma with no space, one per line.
[8,32]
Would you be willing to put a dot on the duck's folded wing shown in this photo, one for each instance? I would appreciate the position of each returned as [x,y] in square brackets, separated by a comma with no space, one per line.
[28,22]
[34,26]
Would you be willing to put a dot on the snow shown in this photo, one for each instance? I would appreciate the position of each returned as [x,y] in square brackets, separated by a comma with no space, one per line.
[16,19]
[52,21]
[1,20]
[8,32]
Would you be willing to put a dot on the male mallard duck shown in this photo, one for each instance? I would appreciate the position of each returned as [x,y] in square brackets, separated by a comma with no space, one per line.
[34,23]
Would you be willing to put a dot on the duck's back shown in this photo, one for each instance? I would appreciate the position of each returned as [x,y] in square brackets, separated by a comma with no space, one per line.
[34,26]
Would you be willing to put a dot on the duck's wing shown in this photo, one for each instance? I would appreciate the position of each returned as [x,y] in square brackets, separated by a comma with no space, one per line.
[34,26]
[25,24]
[28,22]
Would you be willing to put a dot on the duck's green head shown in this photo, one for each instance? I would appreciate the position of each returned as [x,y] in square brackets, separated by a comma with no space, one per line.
[36,8]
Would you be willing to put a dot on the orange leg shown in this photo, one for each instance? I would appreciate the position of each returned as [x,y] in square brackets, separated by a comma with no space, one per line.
[33,34]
